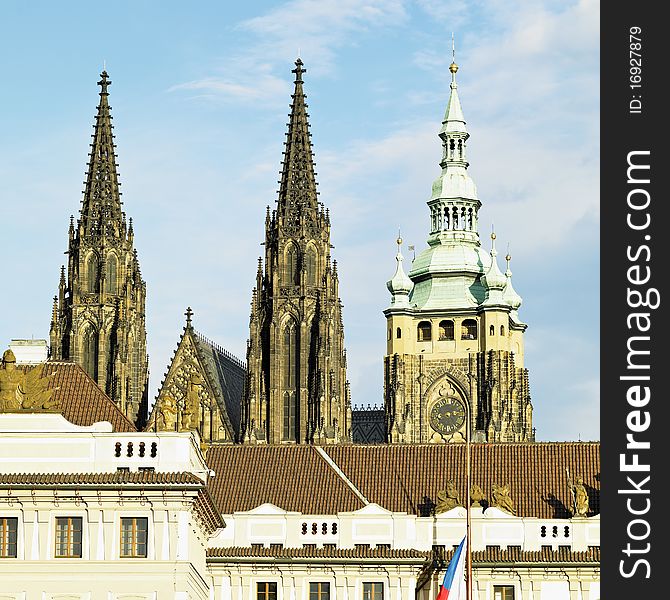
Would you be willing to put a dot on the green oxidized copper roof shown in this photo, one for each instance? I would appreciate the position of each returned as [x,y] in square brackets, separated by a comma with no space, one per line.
[448,275]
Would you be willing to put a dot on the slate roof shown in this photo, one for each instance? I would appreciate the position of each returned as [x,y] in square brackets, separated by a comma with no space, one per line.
[81,400]
[401,477]
[226,374]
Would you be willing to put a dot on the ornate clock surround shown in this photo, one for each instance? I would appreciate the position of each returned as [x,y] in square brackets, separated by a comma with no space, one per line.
[446,409]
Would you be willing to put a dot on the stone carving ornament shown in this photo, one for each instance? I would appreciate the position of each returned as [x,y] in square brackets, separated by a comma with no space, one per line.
[23,390]
[448,498]
[502,499]
[580,497]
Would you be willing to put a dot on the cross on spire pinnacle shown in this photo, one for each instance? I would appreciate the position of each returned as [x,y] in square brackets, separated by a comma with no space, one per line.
[298,70]
[188,314]
[104,83]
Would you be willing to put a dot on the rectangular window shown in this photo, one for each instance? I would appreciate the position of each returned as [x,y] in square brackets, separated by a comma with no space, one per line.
[319,590]
[134,537]
[68,537]
[266,590]
[503,592]
[373,591]
[8,528]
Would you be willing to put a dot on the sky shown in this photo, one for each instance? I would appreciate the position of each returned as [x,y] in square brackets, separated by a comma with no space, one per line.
[200,98]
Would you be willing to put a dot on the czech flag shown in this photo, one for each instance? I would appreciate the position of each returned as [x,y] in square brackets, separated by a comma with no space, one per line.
[453,585]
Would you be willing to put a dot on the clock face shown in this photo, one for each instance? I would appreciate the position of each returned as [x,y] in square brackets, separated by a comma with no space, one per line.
[447,415]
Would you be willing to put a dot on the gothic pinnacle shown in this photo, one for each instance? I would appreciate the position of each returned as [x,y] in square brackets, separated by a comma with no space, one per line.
[297,185]
[101,208]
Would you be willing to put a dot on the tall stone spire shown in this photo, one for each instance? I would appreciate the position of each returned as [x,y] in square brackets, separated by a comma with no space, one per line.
[296,388]
[99,320]
[101,212]
[297,201]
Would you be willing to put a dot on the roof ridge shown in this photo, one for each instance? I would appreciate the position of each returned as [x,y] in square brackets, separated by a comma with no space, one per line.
[340,473]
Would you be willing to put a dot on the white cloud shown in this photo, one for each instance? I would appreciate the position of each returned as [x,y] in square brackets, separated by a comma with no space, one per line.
[262,86]
[314,29]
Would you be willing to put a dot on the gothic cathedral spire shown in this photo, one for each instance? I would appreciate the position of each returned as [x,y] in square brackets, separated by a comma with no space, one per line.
[98,320]
[296,388]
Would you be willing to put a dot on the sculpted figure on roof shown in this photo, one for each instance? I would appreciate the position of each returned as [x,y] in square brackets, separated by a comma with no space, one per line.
[21,390]
[189,418]
[448,499]
[580,497]
[168,414]
[11,383]
[502,499]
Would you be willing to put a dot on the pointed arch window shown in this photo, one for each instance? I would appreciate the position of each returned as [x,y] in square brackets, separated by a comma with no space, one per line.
[92,274]
[291,265]
[290,380]
[310,266]
[90,352]
[492,330]
[111,274]
[502,330]
[469,329]
[446,330]
[289,416]
[423,331]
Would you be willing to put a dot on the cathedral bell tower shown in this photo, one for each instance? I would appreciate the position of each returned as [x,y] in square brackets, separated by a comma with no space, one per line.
[98,318]
[454,336]
[296,390]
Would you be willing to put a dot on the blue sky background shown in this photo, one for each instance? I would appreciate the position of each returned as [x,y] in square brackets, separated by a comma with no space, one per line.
[200,100]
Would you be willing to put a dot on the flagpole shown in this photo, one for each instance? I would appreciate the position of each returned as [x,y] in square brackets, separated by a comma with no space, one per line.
[468,555]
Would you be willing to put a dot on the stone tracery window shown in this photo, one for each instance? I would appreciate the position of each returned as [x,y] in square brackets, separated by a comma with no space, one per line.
[92,274]
[90,342]
[110,279]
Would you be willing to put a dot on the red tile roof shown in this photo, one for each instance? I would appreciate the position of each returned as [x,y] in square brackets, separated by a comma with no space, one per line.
[408,477]
[81,400]
[295,478]
[307,552]
[402,477]
[100,479]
